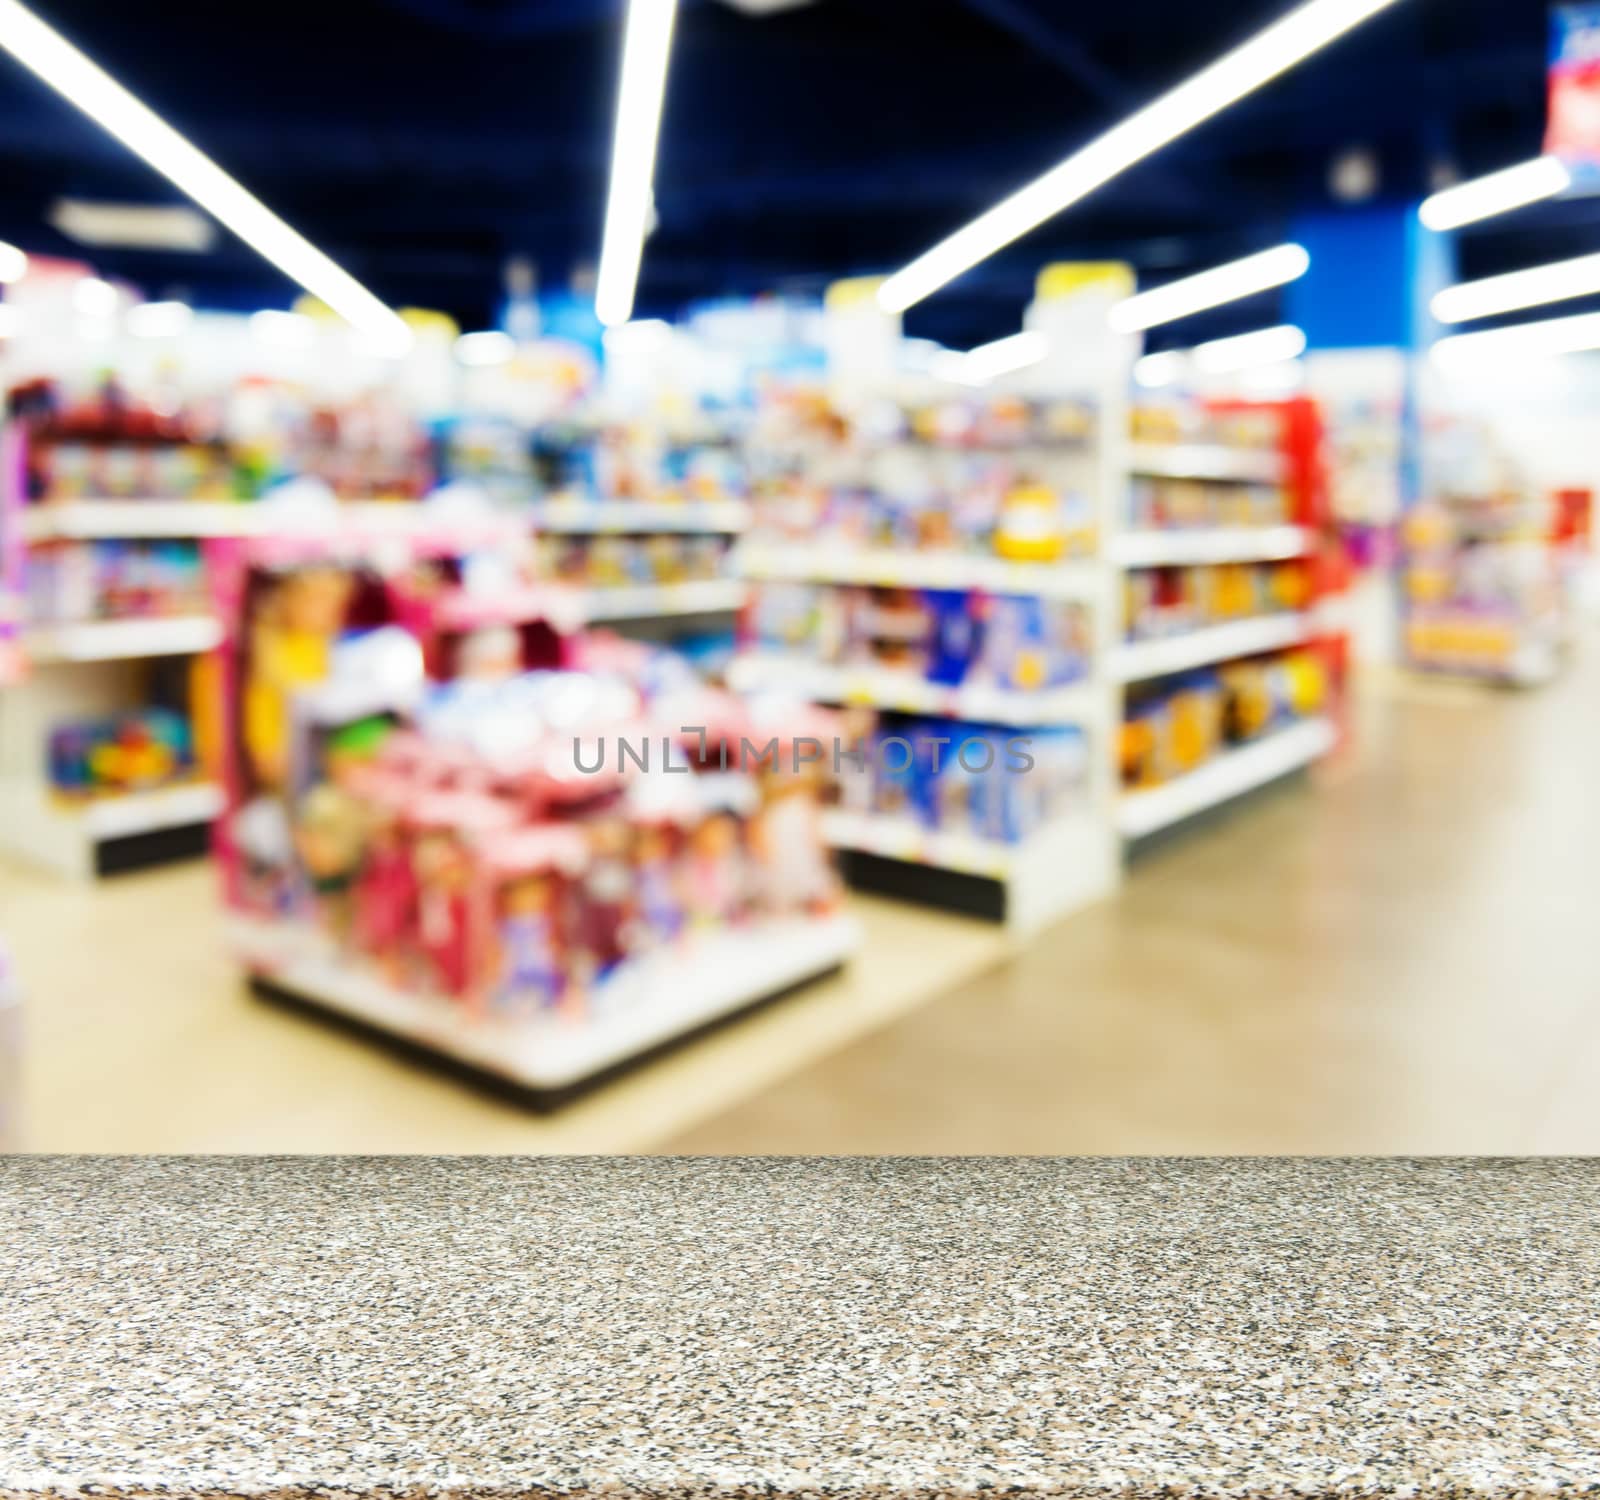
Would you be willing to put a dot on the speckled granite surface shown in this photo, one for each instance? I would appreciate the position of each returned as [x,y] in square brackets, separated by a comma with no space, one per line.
[651,1327]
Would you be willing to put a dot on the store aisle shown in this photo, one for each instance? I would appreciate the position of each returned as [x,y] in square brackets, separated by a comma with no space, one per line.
[1403,963]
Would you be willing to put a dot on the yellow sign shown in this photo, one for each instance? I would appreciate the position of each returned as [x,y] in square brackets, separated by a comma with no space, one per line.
[855,291]
[1066,278]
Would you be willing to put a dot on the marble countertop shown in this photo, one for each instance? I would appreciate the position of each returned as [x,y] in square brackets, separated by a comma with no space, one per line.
[651,1327]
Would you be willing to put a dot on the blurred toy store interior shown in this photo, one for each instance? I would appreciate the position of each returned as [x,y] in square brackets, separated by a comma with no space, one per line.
[799,576]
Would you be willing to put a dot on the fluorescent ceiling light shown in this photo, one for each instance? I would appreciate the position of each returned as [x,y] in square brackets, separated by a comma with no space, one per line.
[1263,347]
[989,361]
[1498,193]
[1156,370]
[1549,337]
[13,263]
[1516,289]
[138,226]
[1017,352]
[640,91]
[1239,278]
[159,320]
[147,135]
[285,329]
[94,298]
[1270,52]
[491,347]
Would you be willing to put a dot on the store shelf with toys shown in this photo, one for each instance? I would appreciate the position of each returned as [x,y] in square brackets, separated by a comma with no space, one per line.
[926,557]
[638,517]
[1484,591]
[101,766]
[1230,679]
[1225,775]
[537,853]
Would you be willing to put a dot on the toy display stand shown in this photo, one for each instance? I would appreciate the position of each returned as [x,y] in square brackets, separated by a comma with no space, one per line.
[1293,464]
[648,1002]
[662,1001]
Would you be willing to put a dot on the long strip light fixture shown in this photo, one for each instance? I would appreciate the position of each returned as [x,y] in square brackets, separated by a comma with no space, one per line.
[1239,278]
[1266,346]
[91,89]
[1289,40]
[1262,348]
[1536,285]
[1004,356]
[1497,193]
[1505,346]
[646,47]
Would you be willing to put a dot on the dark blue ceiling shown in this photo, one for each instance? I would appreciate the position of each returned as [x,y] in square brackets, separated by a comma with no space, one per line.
[423,141]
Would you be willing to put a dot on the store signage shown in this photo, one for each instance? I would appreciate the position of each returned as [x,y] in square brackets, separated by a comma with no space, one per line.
[1573,128]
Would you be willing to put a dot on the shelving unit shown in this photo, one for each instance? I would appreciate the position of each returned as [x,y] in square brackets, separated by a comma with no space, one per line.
[1051,874]
[1294,466]
[83,669]
[1075,861]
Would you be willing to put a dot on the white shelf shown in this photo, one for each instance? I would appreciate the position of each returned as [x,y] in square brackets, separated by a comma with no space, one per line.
[147,812]
[78,520]
[60,835]
[651,1002]
[884,687]
[123,640]
[907,840]
[650,601]
[1058,870]
[1075,579]
[1143,659]
[1143,549]
[1207,461]
[640,516]
[1227,776]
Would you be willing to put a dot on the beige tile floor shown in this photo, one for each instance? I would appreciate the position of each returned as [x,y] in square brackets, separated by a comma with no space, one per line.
[1404,959]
